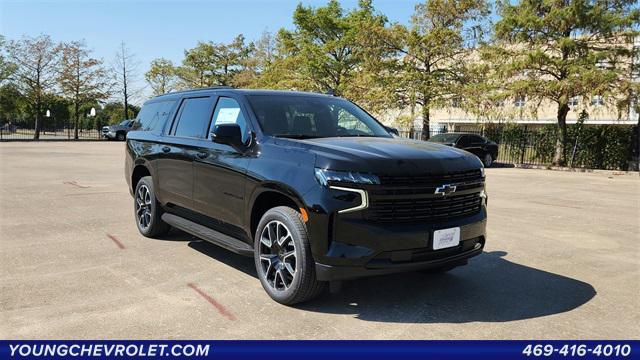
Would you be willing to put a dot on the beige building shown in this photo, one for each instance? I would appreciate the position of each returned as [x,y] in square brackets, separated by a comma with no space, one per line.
[601,110]
[523,111]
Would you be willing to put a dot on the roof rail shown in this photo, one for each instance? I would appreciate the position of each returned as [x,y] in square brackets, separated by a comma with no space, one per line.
[198,89]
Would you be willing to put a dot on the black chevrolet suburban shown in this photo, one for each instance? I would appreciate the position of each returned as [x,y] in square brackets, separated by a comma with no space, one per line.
[310,185]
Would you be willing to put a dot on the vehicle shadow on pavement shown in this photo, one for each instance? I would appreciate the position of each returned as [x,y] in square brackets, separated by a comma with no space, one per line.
[238,262]
[489,289]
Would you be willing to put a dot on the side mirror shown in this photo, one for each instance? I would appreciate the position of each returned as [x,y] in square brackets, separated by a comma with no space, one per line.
[228,134]
[393,131]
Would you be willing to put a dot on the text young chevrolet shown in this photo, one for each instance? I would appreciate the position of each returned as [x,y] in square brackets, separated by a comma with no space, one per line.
[310,185]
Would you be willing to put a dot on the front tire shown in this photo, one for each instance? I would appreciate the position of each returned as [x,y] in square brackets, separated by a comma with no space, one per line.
[147,210]
[283,257]
[120,136]
[487,160]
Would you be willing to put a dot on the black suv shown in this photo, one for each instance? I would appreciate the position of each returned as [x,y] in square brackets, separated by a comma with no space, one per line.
[479,146]
[310,185]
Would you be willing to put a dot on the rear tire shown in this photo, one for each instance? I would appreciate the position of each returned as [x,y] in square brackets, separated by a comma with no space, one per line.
[147,210]
[283,258]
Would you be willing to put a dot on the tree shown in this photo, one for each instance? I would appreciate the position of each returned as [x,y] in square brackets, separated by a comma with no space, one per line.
[6,67]
[59,110]
[125,68]
[210,64]
[82,78]
[260,55]
[323,53]
[161,76]
[558,49]
[426,62]
[111,112]
[36,61]
[11,104]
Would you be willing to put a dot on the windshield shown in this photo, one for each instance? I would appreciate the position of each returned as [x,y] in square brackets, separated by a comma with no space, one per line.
[445,138]
[125,123]
[305,117]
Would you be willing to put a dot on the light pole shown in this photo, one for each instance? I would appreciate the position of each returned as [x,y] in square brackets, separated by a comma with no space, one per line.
[92,113]
[47,115]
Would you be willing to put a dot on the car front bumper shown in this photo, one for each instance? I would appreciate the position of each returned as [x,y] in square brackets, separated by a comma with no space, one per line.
[362,249]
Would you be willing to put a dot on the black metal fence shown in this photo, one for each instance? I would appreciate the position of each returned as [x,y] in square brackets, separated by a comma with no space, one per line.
[20,134]
[593,147]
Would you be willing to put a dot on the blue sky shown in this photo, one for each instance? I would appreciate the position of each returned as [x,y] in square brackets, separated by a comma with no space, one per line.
[153,29]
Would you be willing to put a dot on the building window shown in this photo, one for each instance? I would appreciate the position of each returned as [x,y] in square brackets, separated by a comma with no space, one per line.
[597,100]
[519,101]
[604,64]
[573,101]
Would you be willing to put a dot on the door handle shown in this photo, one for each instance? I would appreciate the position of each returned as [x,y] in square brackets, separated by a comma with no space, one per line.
[202,155]
[166,149]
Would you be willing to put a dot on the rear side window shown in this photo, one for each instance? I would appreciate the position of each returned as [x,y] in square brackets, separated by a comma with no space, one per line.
[153,116]
[465,140]
[193,117]
[228,112]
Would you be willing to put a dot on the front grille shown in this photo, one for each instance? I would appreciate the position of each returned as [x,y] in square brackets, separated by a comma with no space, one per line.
[412,198]
[430,179]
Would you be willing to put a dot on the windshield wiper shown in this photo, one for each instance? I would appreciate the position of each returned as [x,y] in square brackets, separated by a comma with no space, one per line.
[295,136]
[358,135]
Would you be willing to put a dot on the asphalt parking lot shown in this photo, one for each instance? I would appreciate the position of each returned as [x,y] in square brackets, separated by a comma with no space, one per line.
[562,261]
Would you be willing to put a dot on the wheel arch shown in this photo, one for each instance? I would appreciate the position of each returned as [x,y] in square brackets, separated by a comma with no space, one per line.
[267,197]
[140,170]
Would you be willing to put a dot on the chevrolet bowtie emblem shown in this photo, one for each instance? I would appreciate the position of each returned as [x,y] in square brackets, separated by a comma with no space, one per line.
[445,190]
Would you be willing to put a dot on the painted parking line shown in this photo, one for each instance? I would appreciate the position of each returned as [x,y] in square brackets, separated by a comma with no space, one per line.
[116,241]
[221,309]
[75,183]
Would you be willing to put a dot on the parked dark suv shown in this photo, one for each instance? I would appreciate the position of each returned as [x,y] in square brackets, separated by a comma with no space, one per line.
[480,146]
[310,185]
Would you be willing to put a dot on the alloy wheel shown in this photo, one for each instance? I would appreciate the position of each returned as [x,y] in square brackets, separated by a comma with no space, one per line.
[488,160]
[143,207]
[278,255]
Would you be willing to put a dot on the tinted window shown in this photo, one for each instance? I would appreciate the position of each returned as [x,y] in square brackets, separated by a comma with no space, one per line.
[193,117]
[313,116]
[350,122]
[445,138]
[153,116]
[464,141]
[475,139]
[228,112]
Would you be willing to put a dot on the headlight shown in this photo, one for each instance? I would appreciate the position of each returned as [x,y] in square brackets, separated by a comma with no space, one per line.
[482,172]
[325,176]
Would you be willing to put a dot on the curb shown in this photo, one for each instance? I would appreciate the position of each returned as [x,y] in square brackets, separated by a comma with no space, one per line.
[580,170]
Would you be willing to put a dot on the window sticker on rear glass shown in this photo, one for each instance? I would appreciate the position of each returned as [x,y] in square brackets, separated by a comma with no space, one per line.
[228,116]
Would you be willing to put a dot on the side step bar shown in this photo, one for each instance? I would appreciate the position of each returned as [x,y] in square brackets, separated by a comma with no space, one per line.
[208,234]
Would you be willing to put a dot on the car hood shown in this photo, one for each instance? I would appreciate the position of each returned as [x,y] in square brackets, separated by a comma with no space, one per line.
[388,155]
